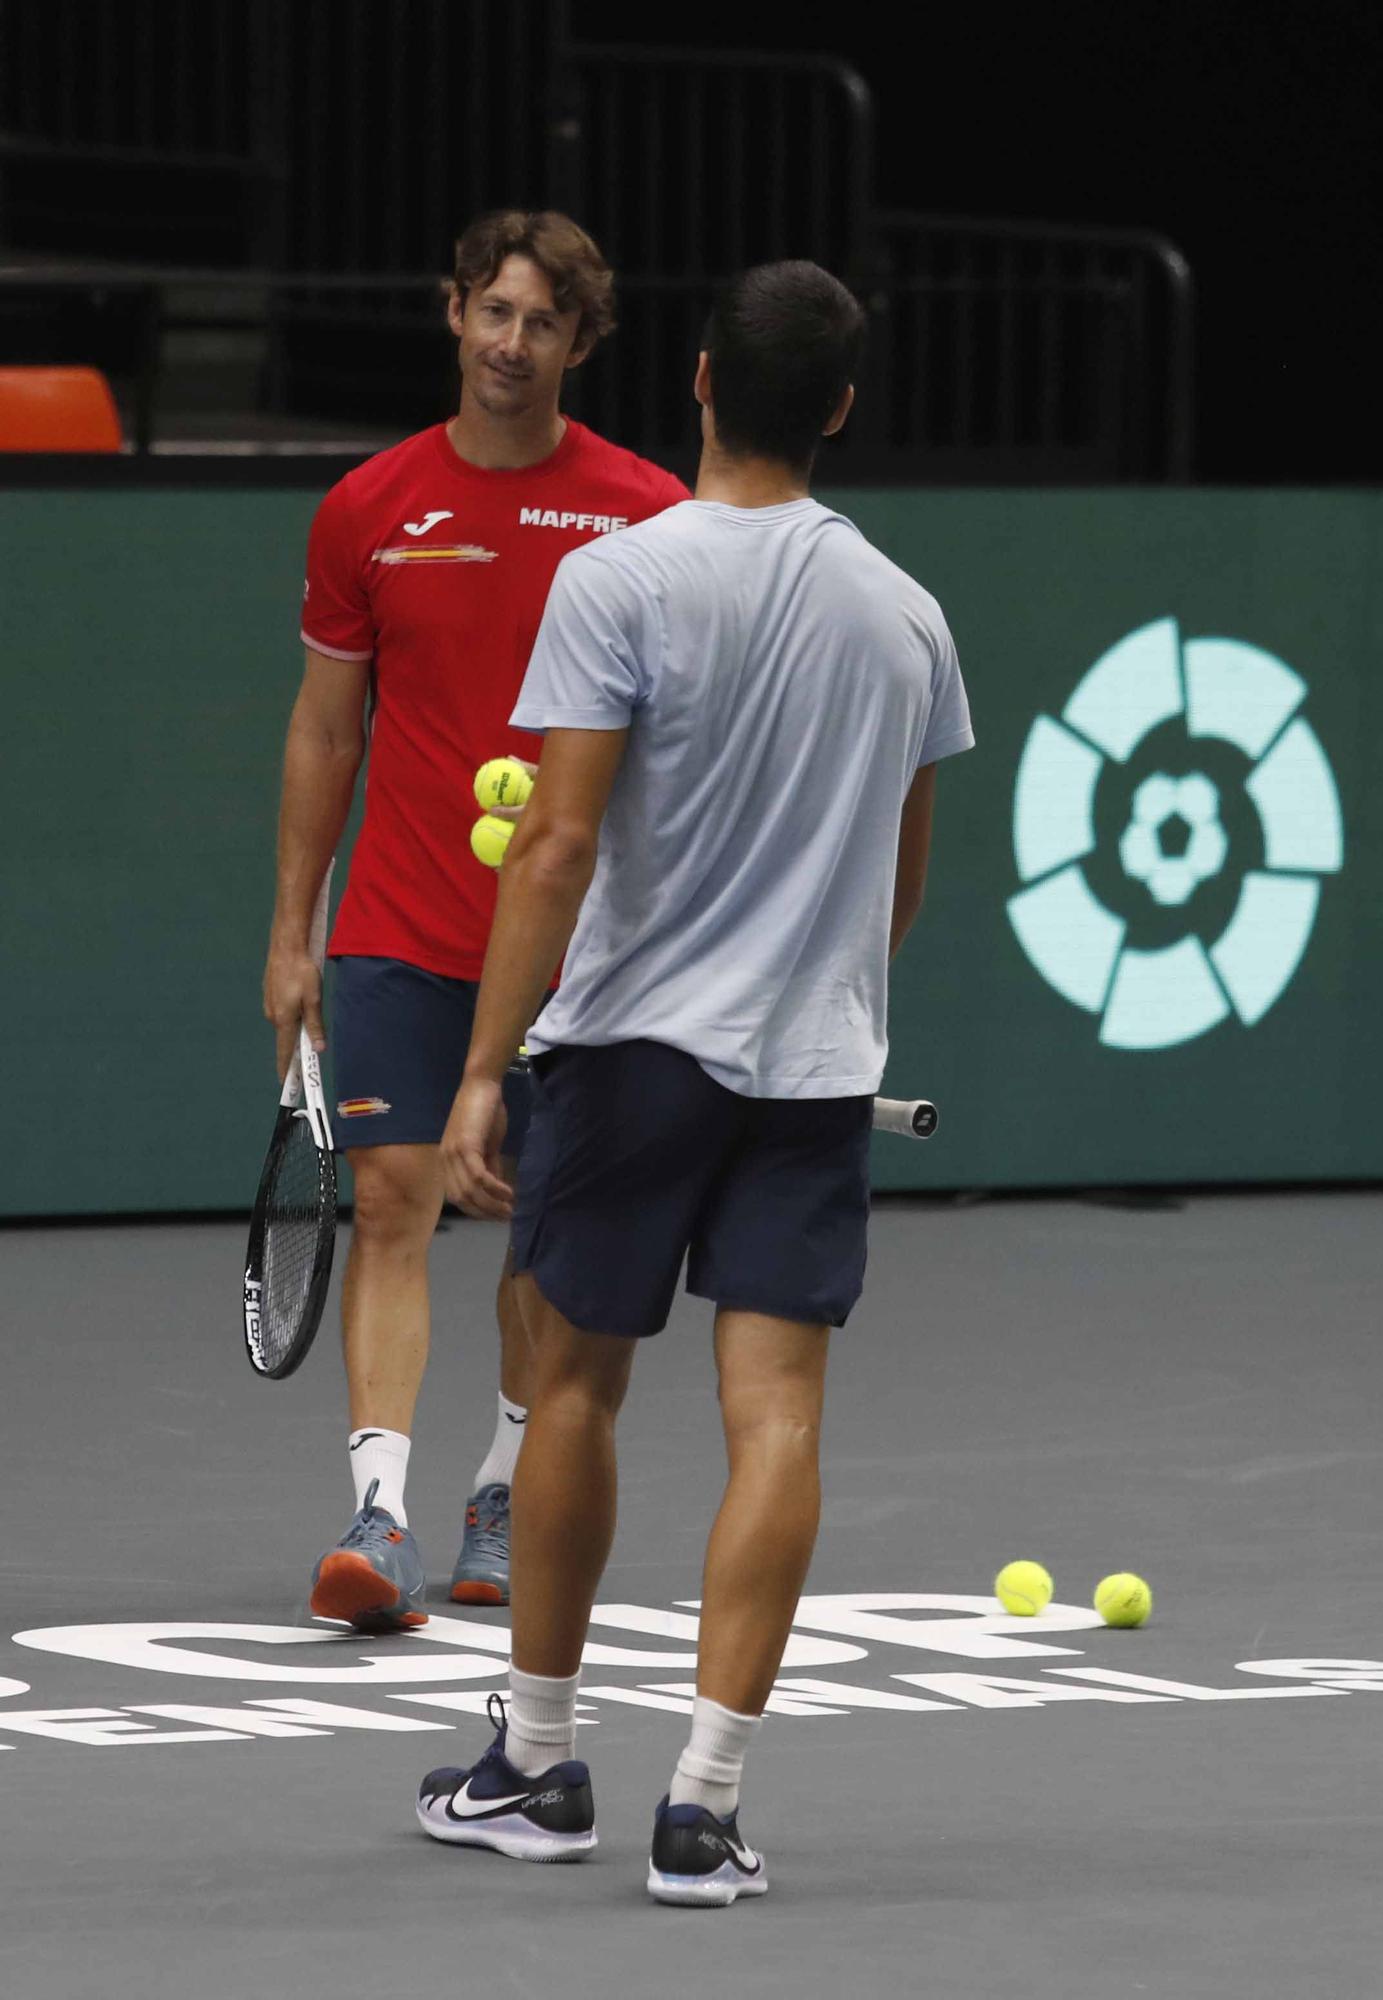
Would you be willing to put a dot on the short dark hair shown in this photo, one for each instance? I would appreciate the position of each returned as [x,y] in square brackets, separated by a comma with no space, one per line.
[568,258]
[784,341]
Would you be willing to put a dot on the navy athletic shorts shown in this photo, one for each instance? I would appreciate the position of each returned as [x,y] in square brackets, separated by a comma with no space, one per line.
[398,1042]
[637,1159]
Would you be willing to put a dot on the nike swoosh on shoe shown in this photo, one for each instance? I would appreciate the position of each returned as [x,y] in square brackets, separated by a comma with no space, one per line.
[472,1808]
[745,1859]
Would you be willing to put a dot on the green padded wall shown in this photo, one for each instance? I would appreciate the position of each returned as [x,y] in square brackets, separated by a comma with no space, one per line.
[150,663]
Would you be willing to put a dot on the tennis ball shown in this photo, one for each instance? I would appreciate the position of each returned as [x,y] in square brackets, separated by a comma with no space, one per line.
[489,839]
[1024,1588]
[502,782]
[1123,1599]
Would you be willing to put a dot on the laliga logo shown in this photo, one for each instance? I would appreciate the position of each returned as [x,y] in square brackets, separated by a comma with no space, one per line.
[1172,829]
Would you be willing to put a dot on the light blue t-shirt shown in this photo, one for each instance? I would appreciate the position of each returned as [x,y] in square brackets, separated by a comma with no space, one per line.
[781,682]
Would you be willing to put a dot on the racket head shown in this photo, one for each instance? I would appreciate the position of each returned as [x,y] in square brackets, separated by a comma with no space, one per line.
[291,1244]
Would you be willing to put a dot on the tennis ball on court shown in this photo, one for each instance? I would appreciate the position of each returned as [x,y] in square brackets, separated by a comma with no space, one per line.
[502,782]
[489,839]
[1123,1599]
[1024,1588]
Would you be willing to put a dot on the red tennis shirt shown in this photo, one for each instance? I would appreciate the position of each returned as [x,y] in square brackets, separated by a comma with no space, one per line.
[437,572]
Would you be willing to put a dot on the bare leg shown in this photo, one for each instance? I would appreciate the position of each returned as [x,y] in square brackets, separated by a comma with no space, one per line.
[385,1318]
[564,1488]
[772,1380]
[513,1337]
[497,1466]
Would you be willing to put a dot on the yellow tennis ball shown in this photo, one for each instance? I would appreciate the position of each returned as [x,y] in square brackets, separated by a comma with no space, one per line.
[1024,1588]
[1123,1599]
[502,782]
[489,839]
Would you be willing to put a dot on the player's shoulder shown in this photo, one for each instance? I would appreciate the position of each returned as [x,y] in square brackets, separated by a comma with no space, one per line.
[382,474]
[651,487]
[879,579]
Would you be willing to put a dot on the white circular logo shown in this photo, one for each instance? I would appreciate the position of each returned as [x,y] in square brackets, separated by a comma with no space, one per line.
[1171,830]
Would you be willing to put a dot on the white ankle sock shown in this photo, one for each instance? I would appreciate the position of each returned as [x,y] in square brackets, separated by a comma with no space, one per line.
[503,1455]
[381,1455]
[542,1721]
[710,1768]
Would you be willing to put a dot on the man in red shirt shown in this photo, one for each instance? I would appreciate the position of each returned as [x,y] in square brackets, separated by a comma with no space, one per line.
[428,570]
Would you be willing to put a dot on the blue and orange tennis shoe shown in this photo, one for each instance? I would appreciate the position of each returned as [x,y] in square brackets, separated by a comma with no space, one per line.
[481,1575]
[373,1579]
[490,1804]
[698,1859]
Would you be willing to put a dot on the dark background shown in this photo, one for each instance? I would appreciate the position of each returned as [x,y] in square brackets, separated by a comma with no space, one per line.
[1245,135]
[1248,134]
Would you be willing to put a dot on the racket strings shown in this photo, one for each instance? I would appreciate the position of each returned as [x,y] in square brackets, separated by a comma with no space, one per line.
[301,1191]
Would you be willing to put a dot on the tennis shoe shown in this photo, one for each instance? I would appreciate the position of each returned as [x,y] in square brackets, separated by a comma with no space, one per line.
[700,1860]
[481,1575]
[490,1804]
[373,1579]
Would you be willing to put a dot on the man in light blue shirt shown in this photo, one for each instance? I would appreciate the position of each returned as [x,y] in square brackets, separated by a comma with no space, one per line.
[744,705]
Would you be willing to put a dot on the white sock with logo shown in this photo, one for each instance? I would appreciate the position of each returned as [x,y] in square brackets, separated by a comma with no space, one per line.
[503,1455]
[709,1770]
[381,1455]
[542,1721]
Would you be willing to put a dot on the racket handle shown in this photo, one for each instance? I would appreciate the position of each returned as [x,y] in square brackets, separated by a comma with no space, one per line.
[305,1071]
[291,1094]
[317,936]
[910,1119]
[310,1069]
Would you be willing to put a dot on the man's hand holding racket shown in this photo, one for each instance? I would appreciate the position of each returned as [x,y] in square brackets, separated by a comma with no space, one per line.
[293,1000]
[471,1148]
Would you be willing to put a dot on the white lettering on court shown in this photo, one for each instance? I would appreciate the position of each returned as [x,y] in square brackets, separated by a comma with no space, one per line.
[155,1646]
[983,1633]
[460,1649]
[1365,1676]
[286,1717]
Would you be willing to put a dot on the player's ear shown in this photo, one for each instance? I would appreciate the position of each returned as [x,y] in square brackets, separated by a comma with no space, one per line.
[847,403]
[701,387]
[456,310]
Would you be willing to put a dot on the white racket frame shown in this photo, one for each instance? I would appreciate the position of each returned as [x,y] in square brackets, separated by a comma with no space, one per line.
[303,1083]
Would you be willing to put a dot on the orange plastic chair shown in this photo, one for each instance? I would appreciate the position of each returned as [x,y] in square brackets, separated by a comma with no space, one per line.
[57,409]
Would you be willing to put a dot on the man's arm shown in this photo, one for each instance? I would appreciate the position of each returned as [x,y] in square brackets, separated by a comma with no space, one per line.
[326,744]
[914,846]
[545,875]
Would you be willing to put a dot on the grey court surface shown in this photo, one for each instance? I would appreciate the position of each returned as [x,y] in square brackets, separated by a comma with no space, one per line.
[952,1803]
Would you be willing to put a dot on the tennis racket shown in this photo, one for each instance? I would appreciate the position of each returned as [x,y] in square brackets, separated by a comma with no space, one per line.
[293,1228]
[914,1119]
[909,1118]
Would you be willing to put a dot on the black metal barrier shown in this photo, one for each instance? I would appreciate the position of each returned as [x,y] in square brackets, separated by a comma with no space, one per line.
[315,162]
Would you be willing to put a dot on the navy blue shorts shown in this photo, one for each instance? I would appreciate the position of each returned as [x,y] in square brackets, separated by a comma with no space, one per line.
[637,1159]
[397,1047]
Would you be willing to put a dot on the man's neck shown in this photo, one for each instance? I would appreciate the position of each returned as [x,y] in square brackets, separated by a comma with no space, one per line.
[747,482]
[504,444]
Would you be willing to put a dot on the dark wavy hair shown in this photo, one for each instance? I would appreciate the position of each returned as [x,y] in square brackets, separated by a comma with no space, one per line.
[568,258]
[784,342]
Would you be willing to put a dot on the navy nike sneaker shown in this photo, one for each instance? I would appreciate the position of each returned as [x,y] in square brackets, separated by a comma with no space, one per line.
[699,1859]
[548,1818]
